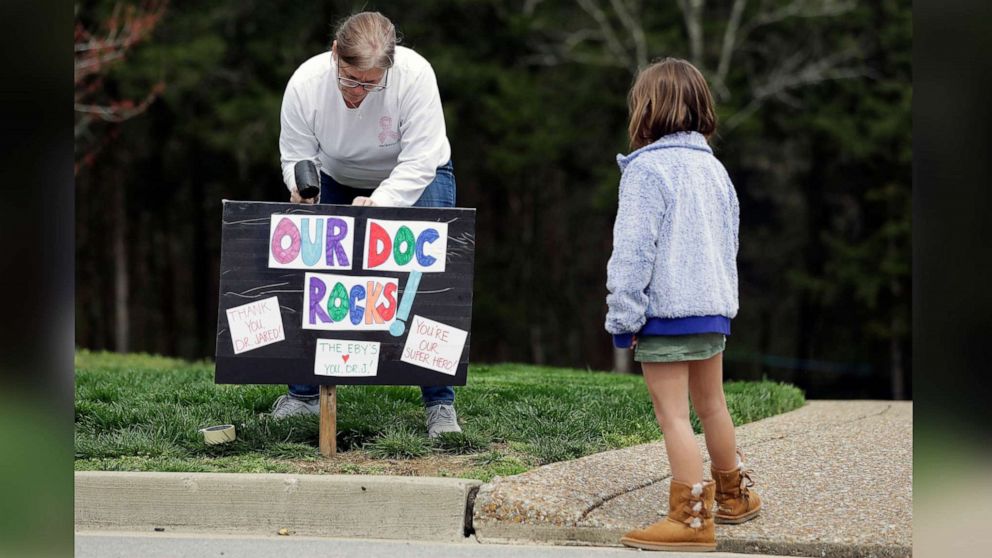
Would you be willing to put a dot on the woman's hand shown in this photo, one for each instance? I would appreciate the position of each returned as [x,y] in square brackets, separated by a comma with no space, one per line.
[294,196]
[362,200]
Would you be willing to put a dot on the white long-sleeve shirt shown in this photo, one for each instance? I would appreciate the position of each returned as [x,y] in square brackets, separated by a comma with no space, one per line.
[394,141]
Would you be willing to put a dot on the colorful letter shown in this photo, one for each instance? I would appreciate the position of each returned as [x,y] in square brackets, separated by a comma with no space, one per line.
[389,293]
[334,248]
[337,303]
[377,236]
[426,237]
[371,314]
[317,290]
[404,236]
[311,248]
[357,293]
[285,228]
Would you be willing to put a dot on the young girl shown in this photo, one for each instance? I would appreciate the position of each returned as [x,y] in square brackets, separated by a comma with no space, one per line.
[672,281]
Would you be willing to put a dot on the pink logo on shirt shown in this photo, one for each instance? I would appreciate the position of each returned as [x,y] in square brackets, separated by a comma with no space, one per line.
[386,132]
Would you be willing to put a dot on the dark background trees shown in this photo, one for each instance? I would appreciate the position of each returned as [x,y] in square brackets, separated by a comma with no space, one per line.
[813,96]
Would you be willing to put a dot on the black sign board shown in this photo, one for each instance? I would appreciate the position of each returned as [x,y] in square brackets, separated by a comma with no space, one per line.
[339,294]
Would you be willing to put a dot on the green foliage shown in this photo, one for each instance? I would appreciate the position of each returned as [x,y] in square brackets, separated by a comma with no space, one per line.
[398,443]
[495,464]
[751,401]
[822,170]
[461,442]
[143,413]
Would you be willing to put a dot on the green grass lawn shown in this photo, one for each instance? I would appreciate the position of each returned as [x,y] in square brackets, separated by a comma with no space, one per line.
[142,413]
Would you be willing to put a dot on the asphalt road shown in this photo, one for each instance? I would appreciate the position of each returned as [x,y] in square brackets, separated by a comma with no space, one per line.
[176,545]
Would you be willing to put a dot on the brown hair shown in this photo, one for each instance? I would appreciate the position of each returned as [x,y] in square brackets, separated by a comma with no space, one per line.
[366,40]
[669,96]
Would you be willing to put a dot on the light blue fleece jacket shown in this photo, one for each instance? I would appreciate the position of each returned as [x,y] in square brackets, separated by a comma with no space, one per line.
[674,240]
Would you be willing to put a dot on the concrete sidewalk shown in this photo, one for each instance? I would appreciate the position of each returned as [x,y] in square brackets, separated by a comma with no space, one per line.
[836,478]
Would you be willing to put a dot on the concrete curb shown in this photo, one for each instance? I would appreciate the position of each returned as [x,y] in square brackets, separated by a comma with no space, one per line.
[359,506]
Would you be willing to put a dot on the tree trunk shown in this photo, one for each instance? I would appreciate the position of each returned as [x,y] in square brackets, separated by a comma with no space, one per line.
[764,344]
[121,317]
[895,347]
[813,253]
[622,361]
[895,354]
[199,264]
[537,344]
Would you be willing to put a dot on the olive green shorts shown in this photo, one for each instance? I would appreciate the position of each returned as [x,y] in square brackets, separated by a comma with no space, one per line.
[677,348]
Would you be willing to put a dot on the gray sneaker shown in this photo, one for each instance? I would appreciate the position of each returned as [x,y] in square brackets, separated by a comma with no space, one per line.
[288,405]
[441,418]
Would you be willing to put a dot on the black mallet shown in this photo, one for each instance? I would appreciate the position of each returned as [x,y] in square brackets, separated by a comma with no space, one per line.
[307,181]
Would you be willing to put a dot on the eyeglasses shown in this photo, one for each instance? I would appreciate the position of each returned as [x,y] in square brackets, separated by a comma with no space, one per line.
[346,83]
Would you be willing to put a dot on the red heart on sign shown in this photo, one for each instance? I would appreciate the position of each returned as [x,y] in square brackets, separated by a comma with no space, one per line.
[345,357]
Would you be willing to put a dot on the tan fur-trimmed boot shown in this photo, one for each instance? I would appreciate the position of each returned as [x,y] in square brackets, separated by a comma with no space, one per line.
[735,501]
[689,525]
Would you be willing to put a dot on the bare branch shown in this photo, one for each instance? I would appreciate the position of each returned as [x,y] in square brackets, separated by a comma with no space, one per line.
[592,8]
[126,27]
[796,72]
[692,12]
[94,53]
[635,30]
[572,40]
[94,64]
[530,6]
[790,75]
[625,45]
[727,50]
[114,114]
[806,9]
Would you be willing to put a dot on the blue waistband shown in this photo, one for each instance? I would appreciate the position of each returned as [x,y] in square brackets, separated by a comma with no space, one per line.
[677,326]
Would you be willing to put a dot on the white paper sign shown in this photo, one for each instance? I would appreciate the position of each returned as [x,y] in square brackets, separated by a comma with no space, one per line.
[343,357]
[405,246]
[311,242]
[255,325]
[434,345]
[349,302]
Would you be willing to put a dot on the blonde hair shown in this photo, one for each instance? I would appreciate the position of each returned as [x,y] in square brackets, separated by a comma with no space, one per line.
[669,96]
[366,40]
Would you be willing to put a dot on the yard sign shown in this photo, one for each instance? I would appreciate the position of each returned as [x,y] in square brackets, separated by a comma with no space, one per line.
[339,294]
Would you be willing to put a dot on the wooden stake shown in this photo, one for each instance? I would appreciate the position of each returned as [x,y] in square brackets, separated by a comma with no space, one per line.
[328,421]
